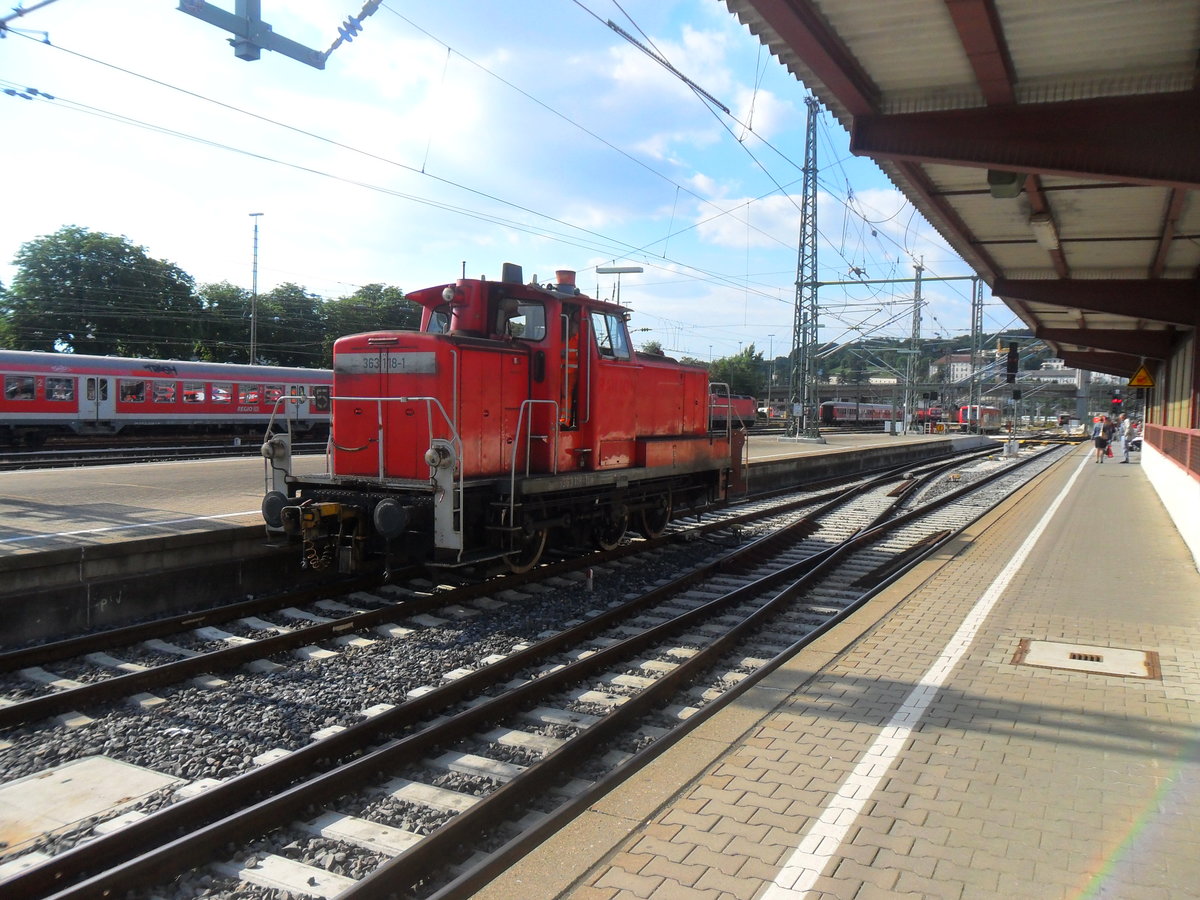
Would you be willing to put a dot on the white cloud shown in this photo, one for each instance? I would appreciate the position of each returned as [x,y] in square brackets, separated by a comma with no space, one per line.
[530,187]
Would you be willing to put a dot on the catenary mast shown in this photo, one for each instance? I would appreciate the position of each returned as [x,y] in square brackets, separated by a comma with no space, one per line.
[803,422]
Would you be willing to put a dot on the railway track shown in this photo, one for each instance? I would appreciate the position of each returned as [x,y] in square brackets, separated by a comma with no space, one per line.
[592,685]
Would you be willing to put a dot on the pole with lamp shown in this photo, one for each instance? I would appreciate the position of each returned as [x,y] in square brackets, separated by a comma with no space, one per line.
[618,271]
[254,292]
[771,375]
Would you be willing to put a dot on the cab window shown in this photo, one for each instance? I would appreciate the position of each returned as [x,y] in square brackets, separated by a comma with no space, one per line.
[523,320]
[439,321]
[611,339]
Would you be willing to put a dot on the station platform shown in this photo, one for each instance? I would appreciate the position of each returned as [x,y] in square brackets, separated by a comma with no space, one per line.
[1019,716]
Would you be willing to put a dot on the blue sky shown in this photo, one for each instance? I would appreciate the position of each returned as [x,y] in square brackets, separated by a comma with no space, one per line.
[463,133]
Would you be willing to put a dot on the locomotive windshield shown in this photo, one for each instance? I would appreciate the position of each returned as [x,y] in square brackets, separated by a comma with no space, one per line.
[611,338]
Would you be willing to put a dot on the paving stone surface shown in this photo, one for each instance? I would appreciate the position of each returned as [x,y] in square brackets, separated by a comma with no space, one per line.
[1013,780]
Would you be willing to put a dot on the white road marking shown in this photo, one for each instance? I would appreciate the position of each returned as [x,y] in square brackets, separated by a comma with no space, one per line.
[54,534]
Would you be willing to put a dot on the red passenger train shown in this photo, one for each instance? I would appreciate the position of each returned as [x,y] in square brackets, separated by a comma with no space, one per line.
[850,412]
[518,415]
[66,393]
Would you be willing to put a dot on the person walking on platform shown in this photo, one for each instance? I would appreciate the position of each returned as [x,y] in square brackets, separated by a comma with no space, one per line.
[1126,426]
[1102,434]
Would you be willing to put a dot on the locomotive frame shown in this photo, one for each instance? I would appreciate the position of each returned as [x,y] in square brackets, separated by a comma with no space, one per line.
[517,415]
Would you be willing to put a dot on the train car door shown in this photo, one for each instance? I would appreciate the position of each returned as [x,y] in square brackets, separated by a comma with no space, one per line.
[99,399]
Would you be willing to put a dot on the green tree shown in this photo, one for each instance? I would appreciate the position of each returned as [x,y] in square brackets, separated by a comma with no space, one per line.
[87,292]
[654,347]
[373,307]
[743,372]
[6,329]
[290,327]
[224,335]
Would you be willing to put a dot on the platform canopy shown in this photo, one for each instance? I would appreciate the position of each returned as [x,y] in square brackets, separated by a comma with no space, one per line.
[1054,145]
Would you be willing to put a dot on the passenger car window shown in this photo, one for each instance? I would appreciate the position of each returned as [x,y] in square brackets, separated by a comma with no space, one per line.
[132,391]
[193,392]
[60,388]
[164,392]
[18,387]
[221,393]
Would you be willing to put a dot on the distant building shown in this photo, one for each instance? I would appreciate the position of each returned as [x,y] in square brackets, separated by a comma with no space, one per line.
[957,367]
[1051,374]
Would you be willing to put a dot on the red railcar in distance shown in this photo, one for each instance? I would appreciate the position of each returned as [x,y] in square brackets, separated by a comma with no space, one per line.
[46,394]
[737,410]
[519,415]
[983,419]
[850,412]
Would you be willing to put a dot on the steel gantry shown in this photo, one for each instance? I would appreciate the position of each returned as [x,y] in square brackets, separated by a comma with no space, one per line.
[803,420]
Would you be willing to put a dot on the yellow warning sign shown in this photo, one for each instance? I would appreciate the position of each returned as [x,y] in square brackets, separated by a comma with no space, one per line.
[1141,378]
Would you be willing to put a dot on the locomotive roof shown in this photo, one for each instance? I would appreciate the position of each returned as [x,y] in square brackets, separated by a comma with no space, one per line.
[432,297]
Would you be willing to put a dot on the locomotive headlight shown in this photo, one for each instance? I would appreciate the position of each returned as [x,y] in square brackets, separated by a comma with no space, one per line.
[273,448]
[437,457]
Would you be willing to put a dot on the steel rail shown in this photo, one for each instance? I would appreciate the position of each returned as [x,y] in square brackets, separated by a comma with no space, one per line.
[168,673]
[142,837]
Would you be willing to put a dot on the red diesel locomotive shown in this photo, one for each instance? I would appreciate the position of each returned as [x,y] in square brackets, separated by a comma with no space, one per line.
[517,414]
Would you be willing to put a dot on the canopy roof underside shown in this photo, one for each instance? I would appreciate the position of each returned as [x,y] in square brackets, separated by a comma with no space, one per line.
[1053,145]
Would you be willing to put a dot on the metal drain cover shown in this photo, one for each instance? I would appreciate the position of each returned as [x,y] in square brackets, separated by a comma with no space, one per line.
[1084,658]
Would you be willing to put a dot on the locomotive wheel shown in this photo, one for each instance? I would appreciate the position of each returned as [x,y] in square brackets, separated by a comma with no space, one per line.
[653,521]
[529,553]
[608,533]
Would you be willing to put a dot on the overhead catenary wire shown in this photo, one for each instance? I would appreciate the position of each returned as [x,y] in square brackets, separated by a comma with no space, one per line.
[596,241]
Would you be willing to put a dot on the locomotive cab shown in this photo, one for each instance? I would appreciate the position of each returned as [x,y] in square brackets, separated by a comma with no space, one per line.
[516,415]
